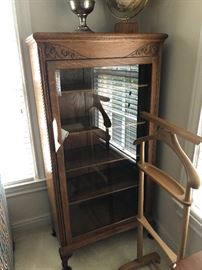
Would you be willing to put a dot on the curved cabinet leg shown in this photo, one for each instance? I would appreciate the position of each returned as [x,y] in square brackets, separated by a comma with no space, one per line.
[65,265]
[65,258]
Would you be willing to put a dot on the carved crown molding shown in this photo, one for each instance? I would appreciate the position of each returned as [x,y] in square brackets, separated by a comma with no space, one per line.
[53,51]
[150,49]
[58,52]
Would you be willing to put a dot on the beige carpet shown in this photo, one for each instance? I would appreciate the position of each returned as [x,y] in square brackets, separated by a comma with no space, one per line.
[38,250]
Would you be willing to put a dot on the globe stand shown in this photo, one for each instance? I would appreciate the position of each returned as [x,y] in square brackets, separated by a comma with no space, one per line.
[126,11]
[82,8]
[126,27]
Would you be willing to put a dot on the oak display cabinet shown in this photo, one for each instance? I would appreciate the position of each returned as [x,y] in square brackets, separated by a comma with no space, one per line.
[89,90]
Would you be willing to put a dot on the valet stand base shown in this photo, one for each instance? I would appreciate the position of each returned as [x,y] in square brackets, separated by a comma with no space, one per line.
[136,264]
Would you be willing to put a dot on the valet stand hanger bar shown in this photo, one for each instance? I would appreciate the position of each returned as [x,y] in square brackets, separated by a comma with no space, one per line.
[167,133]
[172,128]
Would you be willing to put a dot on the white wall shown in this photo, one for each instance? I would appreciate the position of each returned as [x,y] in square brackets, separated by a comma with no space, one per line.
[181,20]
[28,206]
[56,16]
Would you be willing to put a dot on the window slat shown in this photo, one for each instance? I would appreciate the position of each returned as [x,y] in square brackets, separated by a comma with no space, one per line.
[120,85]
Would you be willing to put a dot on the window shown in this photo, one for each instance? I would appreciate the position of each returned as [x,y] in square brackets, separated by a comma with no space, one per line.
[197,204]
[120,85]
[16,158]
[195,123]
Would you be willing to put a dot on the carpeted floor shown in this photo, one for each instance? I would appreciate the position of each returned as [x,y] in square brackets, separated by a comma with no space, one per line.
[38,250]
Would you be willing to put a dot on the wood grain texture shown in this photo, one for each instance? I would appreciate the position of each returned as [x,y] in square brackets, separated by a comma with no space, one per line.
[171,255]
[126,27]
[76,46]
[167,133]
[60,51]
[185,134]
[138,264]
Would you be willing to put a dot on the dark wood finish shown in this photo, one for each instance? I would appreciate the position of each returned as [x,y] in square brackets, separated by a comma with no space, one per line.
[73,51]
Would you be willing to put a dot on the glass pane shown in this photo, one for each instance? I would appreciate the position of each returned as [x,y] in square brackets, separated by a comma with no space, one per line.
[101,211]
[99,111]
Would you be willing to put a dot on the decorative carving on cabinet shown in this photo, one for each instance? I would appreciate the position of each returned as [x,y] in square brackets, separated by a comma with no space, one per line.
[150,49]
[53,51]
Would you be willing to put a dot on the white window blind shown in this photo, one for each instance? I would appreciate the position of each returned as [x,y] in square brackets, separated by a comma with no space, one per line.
[16,158]
[120,85]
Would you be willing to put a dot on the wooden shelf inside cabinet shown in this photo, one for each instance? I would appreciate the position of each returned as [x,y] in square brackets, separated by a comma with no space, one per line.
[78,128]
[91,157]
[101,211]
[65,92]
[110,180]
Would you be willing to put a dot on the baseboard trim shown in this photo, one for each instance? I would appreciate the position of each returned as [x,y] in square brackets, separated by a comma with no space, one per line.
[30,223]
[25,188]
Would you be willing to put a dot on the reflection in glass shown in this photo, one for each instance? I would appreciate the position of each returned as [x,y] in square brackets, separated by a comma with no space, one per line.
[99,113]
[120,85]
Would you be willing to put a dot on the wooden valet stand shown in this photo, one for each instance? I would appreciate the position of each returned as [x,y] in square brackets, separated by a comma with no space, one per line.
[166,133]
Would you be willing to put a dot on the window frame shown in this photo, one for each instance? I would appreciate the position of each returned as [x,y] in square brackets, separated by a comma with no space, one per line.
[197,211]
[195,114]
[23,28]
[23,20]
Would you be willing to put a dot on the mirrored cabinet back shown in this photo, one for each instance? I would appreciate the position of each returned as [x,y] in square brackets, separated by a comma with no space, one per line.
[90,90]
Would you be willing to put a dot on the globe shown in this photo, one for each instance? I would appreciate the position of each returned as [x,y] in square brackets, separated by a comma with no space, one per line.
[126,9]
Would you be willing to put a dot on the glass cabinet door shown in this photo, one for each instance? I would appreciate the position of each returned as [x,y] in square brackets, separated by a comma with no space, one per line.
[99,114]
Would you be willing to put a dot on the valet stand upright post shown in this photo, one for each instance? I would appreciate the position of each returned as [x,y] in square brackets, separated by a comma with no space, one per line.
[167,133]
